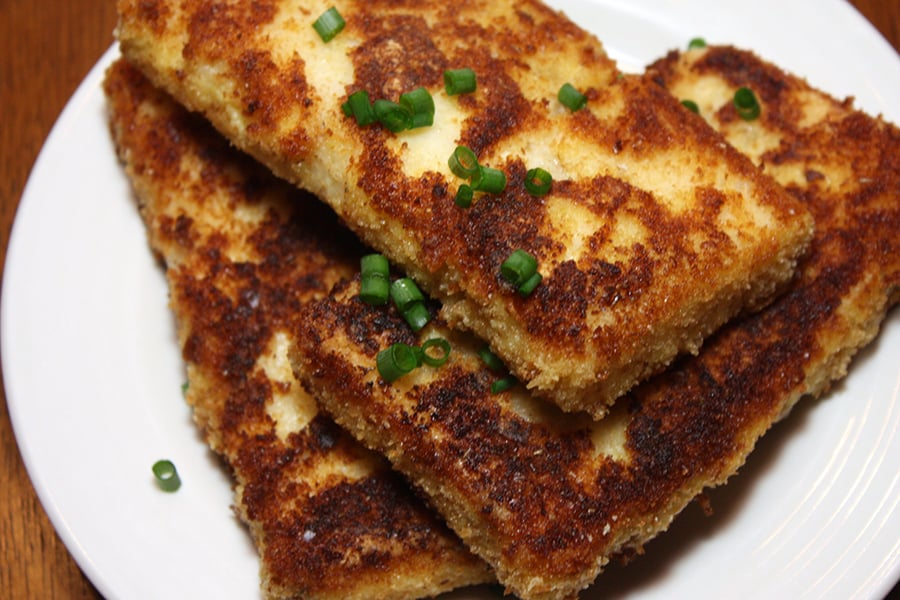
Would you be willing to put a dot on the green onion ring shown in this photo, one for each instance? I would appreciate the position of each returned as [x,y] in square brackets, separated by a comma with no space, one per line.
[697,42]
[166,475]
[746,104]
[329,24]
[416,315]
[396,361]
[464,196]
[444,347]
[405,292]
[463,162]
[459,81]
[519,267]
[491,360]
[360,108]
[374,282]
[501,385]
[691,106]
[571,97]
[420,105]
[393,116]
[491,181]
[529,285]
[538,181]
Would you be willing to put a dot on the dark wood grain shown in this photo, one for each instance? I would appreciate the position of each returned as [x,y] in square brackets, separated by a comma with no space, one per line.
[46,48]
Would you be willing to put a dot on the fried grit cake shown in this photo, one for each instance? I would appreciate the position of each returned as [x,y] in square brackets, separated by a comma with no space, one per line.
[644,197]
[548,497]
[242,252]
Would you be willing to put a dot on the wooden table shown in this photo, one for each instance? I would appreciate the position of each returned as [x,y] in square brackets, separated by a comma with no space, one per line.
[46,48]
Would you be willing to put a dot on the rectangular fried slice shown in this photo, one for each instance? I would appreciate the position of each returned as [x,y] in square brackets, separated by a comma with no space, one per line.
[242,252]
[644,197]
[547,497]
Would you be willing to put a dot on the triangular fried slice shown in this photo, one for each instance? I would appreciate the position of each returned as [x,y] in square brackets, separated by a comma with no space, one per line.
[653,234]
[242,253]
[546,497]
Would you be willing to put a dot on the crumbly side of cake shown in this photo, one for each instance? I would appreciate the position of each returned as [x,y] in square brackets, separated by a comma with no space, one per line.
[242,253]
[548,497]
[646,200]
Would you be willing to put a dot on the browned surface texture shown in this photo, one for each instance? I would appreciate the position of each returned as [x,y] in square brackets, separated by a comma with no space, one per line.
[645,196]
[546,498]
[243,253]
[46,46]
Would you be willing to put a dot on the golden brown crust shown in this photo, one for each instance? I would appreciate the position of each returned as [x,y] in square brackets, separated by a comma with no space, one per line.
[646,196]
[547,498]
[243,253]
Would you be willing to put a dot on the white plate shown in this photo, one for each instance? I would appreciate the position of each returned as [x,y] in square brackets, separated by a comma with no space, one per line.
[93,373]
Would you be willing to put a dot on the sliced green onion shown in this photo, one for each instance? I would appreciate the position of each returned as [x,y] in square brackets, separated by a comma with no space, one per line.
[463,162]
[374,264]
[360,108]
[416,315]
[746,104]
[492,181]
[464,196]
[184,388]
[374,279]
[691,106]
[405,292]
[491,360]
[530,284]
[436,361]
[501,385]
[329,24]
[420,106]
[395,361]
[538,181]
[393,116]
[697,42]
[374,290]
[519,267]
[571,97]
[459,81]
[166,476]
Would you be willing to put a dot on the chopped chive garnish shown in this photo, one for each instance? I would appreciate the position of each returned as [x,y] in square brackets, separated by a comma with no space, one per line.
[360,108]
[463,162]
[571,97]
[538,181]
[464,196]
[416,316]
[393,116]
[492,181]
[374,279]
[691,106]
[405,292]
[184,388]
[374,264]
[329,24]
[491,360]
[436,361]
[697,42]
[420,106]
[503,384]
[374,290]
[746,104]
[530,284]
[166,476]
[519,267]
[395,361]
[410,301]
[399,359]
[459,81]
